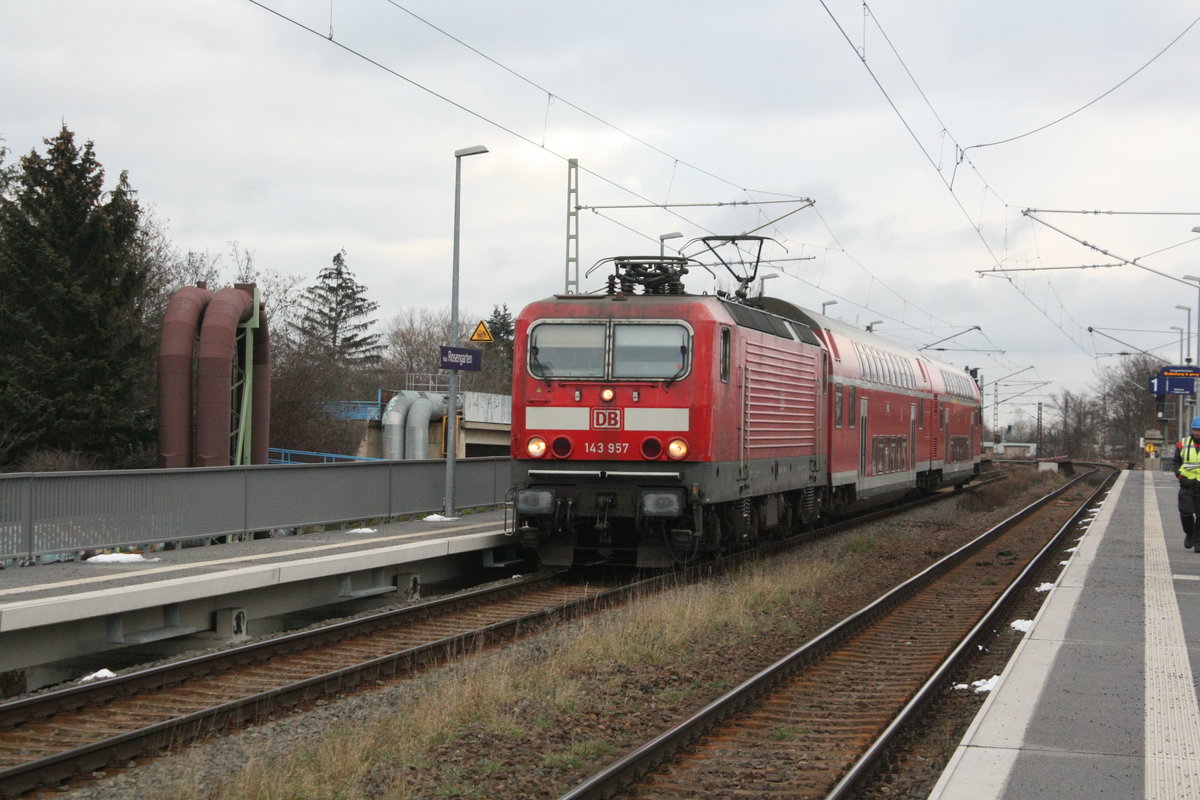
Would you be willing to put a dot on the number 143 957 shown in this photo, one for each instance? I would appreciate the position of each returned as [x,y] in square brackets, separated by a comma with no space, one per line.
[606,448]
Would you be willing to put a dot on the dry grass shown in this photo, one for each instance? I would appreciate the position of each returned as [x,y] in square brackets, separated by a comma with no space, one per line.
[522,694]
[518,692]
[1020,481]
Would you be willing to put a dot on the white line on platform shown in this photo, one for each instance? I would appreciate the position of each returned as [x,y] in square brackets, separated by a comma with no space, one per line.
[1172,722]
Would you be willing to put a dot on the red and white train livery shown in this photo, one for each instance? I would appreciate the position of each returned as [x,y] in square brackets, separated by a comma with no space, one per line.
[651,426]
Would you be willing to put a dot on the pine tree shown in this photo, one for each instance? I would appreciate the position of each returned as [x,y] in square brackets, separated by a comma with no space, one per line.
[336,317]
[74,366]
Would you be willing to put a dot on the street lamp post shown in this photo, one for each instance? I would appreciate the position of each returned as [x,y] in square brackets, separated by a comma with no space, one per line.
[662,242]
[826,304]
[871,325]
[1188,309]
[1179,422]
[1196,278]
[1177,328]
[452,390]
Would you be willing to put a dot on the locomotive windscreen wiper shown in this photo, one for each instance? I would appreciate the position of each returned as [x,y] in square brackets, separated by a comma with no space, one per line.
[682,367]
[536,365]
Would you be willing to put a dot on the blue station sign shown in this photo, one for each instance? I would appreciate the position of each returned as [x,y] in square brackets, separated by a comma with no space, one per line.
[467,358]
[1172,385]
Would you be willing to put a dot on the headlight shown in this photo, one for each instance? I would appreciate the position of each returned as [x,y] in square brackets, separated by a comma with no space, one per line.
[536,447]
[677,449]
[535,501]
[607,394]
[666,503]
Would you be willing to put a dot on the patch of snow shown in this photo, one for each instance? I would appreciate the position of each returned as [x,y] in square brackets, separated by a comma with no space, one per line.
[1022,625]
[120,558]
[98,675]
[980,686]
[438,518]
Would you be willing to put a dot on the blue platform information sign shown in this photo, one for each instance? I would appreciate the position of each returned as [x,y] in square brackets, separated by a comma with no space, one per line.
[467,358]
[1161,385]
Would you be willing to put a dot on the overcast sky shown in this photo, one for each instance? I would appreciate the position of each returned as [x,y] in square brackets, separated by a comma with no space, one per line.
[236,124]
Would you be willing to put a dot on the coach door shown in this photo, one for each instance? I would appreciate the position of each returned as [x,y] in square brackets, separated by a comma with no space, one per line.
[863,439]
[948,454]
[912,437]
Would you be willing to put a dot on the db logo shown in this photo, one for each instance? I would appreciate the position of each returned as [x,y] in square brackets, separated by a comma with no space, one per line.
[606,418]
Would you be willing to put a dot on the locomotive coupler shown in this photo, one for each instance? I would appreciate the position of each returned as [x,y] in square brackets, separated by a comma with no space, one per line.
[603,504]
[562,514]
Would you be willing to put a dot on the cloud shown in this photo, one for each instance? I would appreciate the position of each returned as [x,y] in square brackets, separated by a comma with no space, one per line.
[236,125]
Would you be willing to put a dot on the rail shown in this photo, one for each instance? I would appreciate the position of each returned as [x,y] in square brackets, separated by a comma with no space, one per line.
[48,515]
[619,775]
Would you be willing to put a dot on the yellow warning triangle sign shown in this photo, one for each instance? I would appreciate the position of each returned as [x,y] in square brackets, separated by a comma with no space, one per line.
[482,334]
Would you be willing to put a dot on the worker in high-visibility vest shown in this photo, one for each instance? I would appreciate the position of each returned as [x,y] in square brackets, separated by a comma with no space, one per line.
[1187,469]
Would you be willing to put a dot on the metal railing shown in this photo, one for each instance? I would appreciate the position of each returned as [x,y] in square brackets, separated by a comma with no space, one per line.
[278,455]
[45,513]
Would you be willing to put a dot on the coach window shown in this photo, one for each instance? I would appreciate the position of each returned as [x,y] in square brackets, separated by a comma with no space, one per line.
[852,404]
[724,355]
[649,351]
[567,350]
[837,405]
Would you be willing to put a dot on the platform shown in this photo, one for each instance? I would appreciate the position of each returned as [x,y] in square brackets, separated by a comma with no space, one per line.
[56,619]
[1099,700]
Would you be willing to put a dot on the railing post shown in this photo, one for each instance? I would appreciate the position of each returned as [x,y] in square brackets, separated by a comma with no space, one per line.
[27,514]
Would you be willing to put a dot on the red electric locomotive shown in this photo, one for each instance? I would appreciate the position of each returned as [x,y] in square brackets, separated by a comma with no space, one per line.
[651,426]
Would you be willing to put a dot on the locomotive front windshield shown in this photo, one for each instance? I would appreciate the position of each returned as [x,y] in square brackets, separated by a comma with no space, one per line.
[567,351]
[617,350]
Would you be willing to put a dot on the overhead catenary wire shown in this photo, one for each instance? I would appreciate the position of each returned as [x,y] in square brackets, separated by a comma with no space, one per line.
[1073,335]
[551,96]
[477,115]
[1090,103]
[510,131]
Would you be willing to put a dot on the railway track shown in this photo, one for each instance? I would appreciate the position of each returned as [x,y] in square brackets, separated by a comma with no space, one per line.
[51,737]
[48,738]
[818,723]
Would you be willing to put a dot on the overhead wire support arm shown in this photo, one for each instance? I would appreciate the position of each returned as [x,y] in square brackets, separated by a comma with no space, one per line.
[806,200]
[983,273]
[1113,213]
[948,338]
[1127,344]
[1131,262]
[1019,394]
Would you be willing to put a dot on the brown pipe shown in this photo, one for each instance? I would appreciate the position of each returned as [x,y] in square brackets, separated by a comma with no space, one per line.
[261,425]
[214,374]
[181,324]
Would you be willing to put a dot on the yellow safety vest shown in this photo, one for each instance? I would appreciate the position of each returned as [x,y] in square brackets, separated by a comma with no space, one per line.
[1189,455]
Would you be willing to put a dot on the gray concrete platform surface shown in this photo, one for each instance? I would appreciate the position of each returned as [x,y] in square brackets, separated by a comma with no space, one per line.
[57,619]
[1100,699]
